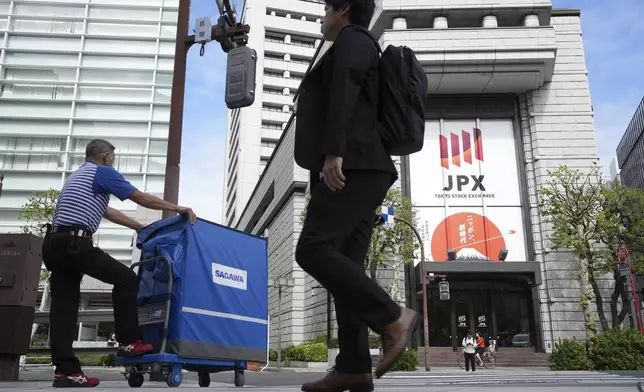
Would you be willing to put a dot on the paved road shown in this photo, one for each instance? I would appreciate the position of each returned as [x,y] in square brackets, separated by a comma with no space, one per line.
[448,380]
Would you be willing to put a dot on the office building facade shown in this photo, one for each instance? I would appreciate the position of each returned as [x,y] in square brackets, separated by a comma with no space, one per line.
[77,70]
[508,100]
[630,151]
[285,34]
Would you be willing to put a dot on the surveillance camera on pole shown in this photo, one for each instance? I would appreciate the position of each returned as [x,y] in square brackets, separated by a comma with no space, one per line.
[242,60]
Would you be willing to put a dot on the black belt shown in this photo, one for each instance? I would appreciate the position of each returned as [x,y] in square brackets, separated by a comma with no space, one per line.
[72,230]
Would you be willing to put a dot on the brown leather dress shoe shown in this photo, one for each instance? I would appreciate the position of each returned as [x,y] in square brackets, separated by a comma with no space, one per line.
[395,338]
[336,381]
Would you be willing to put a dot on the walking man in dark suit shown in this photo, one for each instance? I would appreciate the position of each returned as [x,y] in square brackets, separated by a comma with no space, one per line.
[337,139]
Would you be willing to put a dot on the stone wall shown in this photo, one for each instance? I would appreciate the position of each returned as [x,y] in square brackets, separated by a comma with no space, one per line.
[558,128]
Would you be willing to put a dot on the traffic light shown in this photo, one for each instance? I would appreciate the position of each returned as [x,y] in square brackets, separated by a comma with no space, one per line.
[240,77]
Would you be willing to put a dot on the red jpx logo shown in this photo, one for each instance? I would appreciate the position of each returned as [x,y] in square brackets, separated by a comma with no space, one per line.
[456,148]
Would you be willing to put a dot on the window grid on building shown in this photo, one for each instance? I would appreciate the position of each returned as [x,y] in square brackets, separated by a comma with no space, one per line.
[77,70]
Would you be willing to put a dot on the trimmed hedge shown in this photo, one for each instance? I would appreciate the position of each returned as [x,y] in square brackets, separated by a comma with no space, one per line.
[108,360]
[408,362]
[317,351]
[614,349]
[617,349]
[306,352]
[38,360]
[85,360]
[570,355]
[374,341]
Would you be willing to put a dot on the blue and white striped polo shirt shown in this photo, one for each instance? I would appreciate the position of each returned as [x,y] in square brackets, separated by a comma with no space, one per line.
[86,193]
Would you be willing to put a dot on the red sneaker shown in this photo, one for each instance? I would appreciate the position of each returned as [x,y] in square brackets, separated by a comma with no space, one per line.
[78,380]
[135,349]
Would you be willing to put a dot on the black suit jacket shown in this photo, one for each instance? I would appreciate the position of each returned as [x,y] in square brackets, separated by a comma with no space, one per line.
[337,107]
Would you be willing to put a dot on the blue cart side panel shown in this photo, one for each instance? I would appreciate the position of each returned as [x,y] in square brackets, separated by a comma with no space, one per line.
[220,295]
[226,305]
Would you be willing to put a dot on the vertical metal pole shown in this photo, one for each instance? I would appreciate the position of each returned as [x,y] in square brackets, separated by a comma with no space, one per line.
[423,280]
[635,298]
[329,330]
[171,187]
[279,327]
[268,345]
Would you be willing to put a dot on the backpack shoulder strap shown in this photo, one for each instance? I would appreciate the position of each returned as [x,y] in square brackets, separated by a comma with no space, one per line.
[365,31]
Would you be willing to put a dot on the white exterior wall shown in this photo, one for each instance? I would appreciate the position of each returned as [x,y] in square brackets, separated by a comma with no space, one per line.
[77,70]
[558,128]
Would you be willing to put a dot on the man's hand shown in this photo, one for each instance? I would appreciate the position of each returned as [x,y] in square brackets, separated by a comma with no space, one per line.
[188,211]
[333,177]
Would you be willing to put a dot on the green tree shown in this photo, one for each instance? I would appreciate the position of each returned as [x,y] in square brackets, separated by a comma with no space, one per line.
[38,211]
[571,201]
[393,247]
[591,219]
[622,223]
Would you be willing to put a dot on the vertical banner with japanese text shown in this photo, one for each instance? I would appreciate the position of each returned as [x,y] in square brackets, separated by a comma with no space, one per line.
[465,189]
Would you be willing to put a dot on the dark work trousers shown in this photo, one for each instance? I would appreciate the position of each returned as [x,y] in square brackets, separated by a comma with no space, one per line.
[332,248]
[470,359]
[68,264]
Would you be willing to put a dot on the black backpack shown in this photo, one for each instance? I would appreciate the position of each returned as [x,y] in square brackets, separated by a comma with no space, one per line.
[401,107]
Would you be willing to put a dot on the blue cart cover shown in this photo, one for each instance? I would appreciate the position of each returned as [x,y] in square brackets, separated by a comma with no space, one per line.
[219,299]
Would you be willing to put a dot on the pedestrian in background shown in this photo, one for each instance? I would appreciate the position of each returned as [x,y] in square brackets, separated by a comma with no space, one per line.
[338,140]
[469,351]
[480,348]
[69,253]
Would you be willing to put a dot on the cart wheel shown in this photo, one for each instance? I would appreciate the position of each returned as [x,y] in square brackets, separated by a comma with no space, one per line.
[204,380]
[239,379]
[135,380]
[174,376]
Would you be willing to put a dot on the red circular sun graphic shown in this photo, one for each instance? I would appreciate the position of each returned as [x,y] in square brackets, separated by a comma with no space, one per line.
[474,237]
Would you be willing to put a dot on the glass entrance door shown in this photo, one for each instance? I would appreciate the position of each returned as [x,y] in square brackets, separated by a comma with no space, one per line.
[513,319]
[439,314]
[498,314]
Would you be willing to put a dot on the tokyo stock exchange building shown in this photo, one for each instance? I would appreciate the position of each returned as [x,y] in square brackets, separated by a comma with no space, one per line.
[508,99]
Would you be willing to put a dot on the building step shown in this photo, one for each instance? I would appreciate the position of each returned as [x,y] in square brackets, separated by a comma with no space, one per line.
[505,357]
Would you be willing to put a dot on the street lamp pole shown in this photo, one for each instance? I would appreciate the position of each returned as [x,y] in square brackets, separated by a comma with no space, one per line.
[329,330]
[171,185]
[279,327]
[624,256]
[423,279]
[280,283]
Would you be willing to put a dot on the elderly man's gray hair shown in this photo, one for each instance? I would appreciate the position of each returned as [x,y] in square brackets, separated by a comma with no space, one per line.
[97,147]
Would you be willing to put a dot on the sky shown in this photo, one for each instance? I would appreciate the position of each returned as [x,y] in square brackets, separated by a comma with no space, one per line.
[612,31]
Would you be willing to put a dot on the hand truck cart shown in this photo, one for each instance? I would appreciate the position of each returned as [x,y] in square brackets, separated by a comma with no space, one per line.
[203,301]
